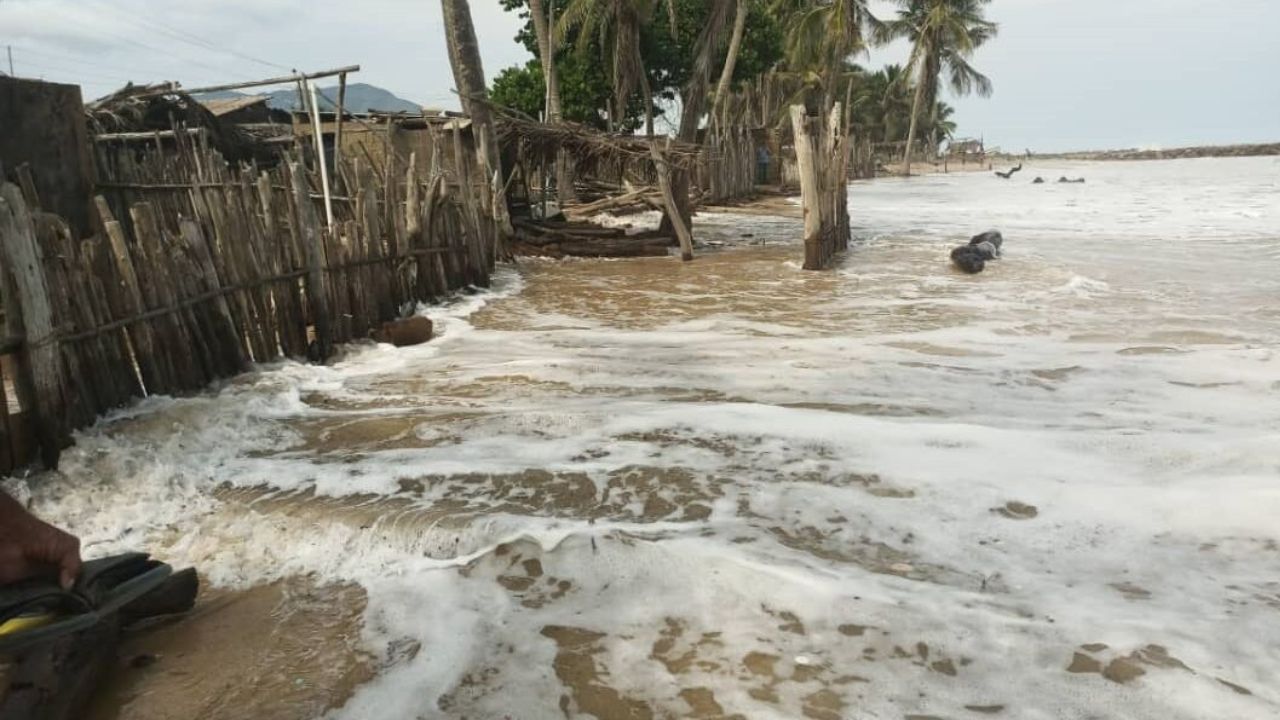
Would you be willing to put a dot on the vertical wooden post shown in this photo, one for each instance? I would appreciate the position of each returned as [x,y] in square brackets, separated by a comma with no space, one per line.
[412,203]
[309,232]
[40,360]
[808,187]
[320,158]
[662,168]
[140,334]
[337,133]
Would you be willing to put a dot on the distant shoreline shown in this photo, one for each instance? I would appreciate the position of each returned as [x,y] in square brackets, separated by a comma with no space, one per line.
[1200,151]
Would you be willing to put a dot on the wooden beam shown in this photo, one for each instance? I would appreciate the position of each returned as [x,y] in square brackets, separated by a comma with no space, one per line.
[42,361]
[143,136]
[285,79]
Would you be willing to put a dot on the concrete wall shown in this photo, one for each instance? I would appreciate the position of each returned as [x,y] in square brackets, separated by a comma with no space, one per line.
[43,124]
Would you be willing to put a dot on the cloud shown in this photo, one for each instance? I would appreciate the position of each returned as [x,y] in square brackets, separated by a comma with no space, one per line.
[1067,73]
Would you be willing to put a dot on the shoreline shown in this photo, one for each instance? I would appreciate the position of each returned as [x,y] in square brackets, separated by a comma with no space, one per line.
[1181,153]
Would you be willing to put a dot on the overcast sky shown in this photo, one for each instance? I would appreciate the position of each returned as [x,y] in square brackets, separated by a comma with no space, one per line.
[1069,74]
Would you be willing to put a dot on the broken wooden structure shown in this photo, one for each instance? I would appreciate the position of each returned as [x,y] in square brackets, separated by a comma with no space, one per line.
[822,162]
[195,267]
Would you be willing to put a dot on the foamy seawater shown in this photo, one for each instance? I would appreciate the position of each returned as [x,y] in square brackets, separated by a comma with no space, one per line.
[648,489]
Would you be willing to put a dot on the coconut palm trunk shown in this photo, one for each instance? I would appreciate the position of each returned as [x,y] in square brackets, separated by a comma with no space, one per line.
[731,58]
[911,133]
[468,74]
[542,24]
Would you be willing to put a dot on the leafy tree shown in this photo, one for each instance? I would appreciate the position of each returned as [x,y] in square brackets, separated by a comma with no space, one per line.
[668,60]
[944,35]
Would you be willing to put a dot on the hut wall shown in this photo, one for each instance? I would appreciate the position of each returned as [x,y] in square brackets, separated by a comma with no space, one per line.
[43,125]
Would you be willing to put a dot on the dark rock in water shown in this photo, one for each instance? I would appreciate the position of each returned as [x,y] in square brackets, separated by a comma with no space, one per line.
[987,250]
[1038,181]
[991,236]
[405,332]
[969,259]
[1071,181]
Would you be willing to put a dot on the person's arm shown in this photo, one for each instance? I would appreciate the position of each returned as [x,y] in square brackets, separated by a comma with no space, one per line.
[30,547]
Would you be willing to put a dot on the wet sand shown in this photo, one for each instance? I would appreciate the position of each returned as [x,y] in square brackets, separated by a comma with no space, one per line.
[287,651]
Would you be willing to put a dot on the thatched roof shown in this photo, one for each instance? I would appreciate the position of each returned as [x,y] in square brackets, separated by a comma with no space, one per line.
[589,147]
[136,108]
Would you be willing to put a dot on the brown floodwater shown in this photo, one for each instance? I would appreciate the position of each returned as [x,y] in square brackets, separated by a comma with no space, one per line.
[733,489]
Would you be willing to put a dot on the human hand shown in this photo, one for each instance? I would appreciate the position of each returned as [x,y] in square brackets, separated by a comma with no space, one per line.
[30,547]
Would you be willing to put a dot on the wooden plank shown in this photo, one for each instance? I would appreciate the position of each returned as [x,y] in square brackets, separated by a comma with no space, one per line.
[228,342]
[41,361]
[130,302]
[175,342]
[101,278]
[339,182]
[309,231]
[88,381]
[283,80]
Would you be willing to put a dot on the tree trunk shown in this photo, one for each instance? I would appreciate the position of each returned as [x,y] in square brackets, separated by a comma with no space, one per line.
[542,26]
[542,29]
[468,74]
[648,103]
[915,116]
[731,58]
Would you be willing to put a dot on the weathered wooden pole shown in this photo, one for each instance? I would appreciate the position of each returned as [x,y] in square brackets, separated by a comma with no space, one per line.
[28,295]
[310,233]
[662,168]
[809,189]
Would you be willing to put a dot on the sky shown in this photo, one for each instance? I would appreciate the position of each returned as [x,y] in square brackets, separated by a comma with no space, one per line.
[1068,74]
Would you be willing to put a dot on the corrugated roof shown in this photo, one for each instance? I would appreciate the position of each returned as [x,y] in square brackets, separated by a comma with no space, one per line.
[230,105]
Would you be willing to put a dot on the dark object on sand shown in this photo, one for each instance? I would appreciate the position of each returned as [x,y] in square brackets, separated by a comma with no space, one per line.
[1072,181]
[59,643]
[1038,181]
[1009,173]
[405,331]
[969,259]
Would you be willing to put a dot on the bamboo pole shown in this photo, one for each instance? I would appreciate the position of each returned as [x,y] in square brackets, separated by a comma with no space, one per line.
[320,158]
[255,83]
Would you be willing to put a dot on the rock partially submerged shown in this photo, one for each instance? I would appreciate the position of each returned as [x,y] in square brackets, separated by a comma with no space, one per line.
[405,332]
[973,258]
[969,259]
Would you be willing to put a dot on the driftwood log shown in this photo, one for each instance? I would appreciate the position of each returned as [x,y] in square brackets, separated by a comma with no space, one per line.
[577,239]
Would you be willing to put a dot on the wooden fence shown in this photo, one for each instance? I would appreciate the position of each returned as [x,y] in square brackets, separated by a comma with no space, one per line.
[727,168]
[199,269]
[822,162]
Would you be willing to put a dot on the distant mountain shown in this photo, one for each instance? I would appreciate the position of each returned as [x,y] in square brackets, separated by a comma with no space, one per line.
[360,98]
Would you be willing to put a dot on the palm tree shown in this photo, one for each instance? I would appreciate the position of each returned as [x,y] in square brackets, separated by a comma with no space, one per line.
[617,24]
[468,74]
[823,34]
[731,57]
[547,56]
[944,35]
